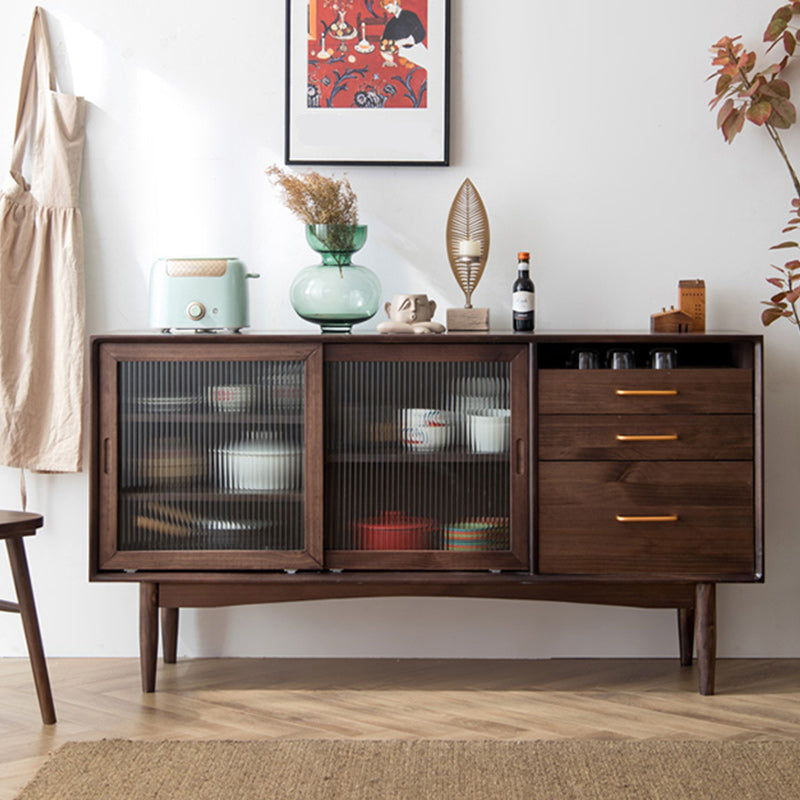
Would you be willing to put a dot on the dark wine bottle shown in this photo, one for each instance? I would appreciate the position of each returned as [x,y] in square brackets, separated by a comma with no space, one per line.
[523,297]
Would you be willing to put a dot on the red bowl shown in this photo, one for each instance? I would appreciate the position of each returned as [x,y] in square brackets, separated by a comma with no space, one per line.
[394,530]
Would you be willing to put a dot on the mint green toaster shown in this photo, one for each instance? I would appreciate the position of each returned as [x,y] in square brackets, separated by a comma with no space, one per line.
[199,294]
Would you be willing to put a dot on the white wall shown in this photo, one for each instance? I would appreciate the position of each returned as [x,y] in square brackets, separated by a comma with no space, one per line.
[584,126]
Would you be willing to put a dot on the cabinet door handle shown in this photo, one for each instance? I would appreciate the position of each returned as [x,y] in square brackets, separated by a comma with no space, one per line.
[520,456]
[668,518]
[106,447]
[647,437]
[647,392]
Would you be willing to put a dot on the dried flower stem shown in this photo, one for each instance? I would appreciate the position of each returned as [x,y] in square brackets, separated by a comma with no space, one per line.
[316,199]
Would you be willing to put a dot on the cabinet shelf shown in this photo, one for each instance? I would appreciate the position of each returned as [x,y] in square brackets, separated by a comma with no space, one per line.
[243,420]
[400,457]
[200,494]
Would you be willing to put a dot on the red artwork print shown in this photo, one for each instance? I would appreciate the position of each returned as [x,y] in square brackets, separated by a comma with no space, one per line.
[368,54]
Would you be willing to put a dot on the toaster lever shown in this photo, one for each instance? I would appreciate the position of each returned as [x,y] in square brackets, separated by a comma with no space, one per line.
[252,275]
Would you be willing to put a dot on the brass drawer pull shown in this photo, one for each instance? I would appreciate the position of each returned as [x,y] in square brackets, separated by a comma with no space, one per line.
[647,392]
[660,437]
[669,518]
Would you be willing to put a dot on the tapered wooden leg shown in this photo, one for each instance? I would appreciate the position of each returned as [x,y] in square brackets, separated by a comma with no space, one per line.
[169,634]
[148,634]
[30,624]
[706,635]
[686,635]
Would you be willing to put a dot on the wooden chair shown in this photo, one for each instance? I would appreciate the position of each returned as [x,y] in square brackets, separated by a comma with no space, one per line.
[13,526]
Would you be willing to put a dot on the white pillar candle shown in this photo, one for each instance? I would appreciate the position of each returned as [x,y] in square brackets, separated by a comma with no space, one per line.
[470,247]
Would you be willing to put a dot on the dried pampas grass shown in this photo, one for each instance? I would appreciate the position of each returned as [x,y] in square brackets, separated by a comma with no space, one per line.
[316,199]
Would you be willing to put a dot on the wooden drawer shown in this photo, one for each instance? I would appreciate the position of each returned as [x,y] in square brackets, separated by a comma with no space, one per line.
[660,437]
[590,518]
[643,391]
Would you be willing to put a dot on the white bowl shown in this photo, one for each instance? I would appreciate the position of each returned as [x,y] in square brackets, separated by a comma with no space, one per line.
[259,464]
[424,429]
[490,430]
[233,397]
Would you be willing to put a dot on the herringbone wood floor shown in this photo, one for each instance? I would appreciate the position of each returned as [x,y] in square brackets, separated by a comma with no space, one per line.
[387,699]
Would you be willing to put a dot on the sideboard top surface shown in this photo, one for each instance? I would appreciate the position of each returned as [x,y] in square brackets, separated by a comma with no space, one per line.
[371,337]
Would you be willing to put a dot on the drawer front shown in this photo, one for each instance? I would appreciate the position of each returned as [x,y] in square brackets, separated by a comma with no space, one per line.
[655,518]
[642,391]
[659,437]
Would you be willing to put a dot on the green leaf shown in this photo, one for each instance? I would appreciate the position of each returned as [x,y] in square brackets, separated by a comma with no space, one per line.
[777,25]
[784,114]
[789,42]
[778,87]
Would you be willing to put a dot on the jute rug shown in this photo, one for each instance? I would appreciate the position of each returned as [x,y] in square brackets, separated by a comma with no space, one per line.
[424,769]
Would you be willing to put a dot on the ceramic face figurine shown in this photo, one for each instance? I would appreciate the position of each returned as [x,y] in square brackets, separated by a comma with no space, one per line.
[410,313]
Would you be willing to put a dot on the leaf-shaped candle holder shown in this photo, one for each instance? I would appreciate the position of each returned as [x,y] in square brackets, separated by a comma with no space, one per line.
[467,252]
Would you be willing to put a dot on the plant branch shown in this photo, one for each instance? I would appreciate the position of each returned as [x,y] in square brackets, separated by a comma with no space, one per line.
[779,144]
[771,130]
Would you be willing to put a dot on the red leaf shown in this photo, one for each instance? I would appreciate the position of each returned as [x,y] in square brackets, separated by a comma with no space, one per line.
[724,112]
[793,296]
[759,113]
[784,245]
[746,61]
[769,315]
[789,42]
[727,41]
[732,124]
[776,282]
[755,86]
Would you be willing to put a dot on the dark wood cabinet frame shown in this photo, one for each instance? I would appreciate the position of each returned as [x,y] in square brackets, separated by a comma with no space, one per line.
[683,581]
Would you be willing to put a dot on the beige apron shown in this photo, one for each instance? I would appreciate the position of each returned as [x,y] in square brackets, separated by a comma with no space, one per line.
[41,275]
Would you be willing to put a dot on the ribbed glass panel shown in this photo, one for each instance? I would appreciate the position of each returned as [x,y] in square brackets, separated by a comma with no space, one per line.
[211,455]
[417,455]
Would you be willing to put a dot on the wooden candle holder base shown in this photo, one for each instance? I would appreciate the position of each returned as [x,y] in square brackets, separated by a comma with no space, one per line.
[467,319]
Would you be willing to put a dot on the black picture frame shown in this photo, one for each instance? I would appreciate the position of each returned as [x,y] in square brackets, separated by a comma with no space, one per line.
[353,106]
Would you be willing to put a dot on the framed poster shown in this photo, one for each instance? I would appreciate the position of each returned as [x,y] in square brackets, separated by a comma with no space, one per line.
[367,82]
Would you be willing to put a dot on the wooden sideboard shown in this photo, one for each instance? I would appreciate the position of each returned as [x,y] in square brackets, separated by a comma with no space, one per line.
[255,468]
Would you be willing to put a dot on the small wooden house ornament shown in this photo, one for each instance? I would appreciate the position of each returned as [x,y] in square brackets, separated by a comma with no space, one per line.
[672,321]
[692,301]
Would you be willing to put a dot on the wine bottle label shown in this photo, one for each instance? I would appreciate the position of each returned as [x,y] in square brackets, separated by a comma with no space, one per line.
[522,301]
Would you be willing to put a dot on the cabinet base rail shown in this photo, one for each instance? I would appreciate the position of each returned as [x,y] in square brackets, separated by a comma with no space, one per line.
[695,604]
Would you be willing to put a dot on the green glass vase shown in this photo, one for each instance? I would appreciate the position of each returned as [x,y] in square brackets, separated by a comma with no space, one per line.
[336,294]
